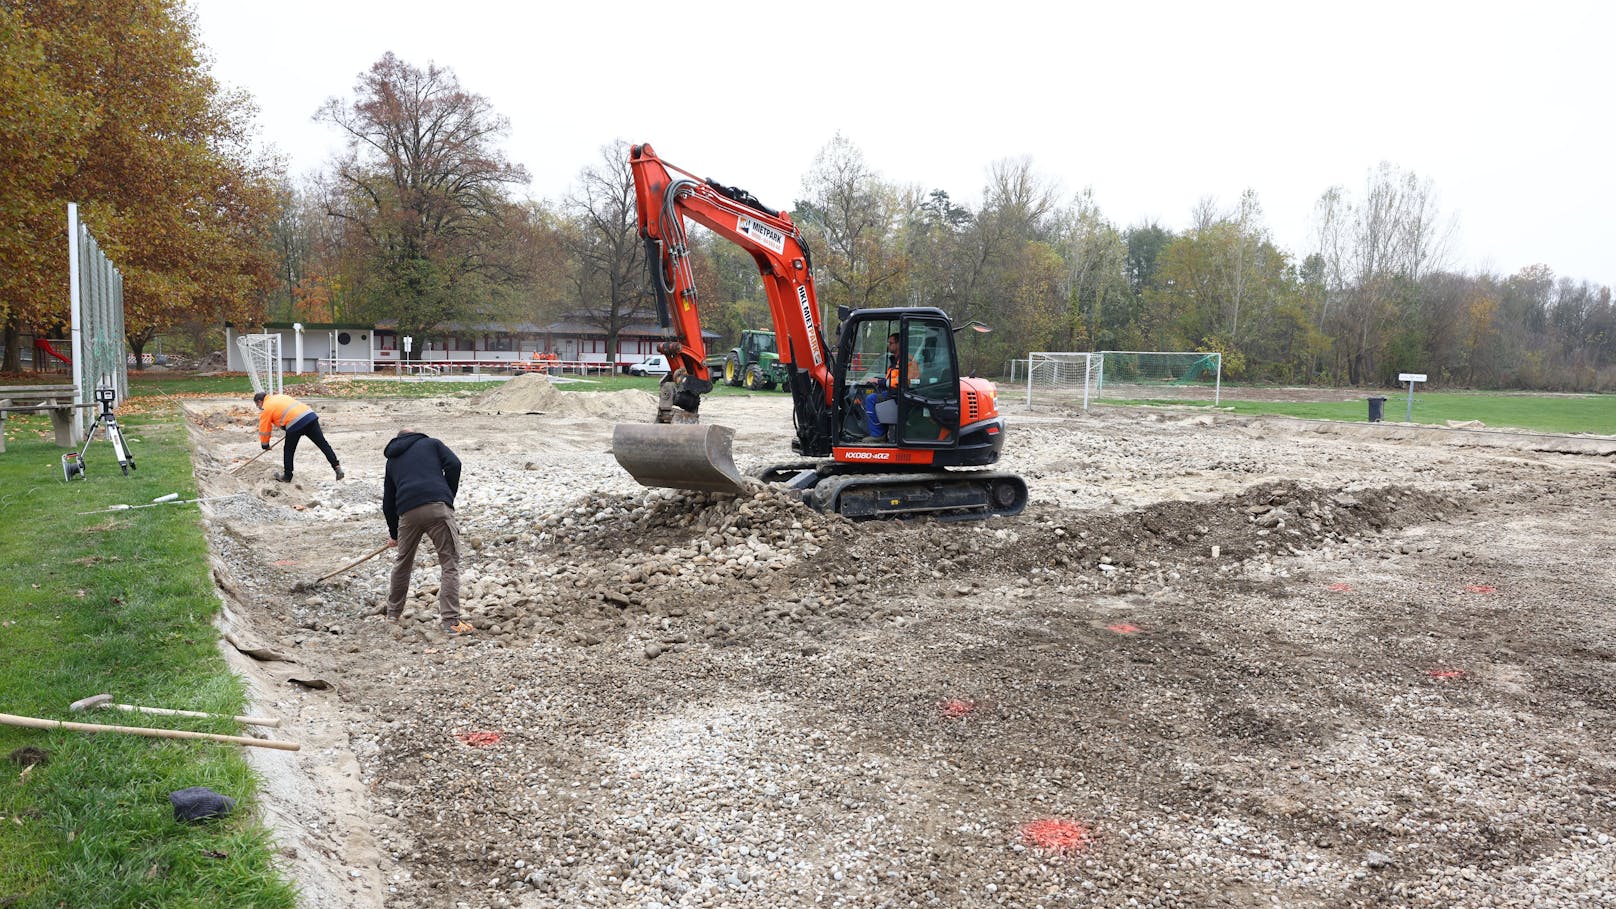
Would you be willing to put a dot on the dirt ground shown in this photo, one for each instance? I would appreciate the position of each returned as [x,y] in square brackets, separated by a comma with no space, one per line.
[1219,661]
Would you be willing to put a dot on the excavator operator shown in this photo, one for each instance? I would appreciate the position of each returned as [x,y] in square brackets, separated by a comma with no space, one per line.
[885,389]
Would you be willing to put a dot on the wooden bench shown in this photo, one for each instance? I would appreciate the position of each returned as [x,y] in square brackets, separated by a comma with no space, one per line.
[57,400]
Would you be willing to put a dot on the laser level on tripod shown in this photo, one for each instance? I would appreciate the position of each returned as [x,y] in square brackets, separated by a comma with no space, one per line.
[73,463]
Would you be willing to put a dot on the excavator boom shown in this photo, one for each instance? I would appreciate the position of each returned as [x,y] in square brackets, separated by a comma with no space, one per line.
[664,196]
[697,456]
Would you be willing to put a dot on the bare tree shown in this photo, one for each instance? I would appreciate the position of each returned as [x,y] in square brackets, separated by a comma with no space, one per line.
[1010,273]
[1206,213]
[602,237]
[291,238]
[851,216]
[1249,236]
[1376,250]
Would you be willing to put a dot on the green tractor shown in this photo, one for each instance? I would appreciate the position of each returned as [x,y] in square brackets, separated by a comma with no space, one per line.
[754,363]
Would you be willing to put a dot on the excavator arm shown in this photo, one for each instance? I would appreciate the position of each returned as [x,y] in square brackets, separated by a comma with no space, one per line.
[665,196]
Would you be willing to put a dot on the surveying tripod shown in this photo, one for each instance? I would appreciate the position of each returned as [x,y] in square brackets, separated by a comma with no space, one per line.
[73,462]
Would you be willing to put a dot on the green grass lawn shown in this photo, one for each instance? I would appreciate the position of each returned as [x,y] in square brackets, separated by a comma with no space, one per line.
[121,603]
[1498,410]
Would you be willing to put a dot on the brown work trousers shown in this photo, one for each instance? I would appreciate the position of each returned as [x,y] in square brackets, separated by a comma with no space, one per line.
[435,521]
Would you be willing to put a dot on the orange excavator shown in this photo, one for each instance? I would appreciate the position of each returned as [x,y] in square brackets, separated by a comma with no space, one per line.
[884,421]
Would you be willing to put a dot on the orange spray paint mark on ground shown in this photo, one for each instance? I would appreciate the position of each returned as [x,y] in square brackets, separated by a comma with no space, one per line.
[1480,588]
[1057,835]
[1123,628]
[480,739]
[1341,588]
[1445,673]
[957,707]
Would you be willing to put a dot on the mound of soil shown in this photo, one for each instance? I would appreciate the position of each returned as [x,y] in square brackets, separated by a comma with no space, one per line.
[538,394]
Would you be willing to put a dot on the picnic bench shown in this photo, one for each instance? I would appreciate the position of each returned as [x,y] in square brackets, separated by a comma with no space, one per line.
[56,400]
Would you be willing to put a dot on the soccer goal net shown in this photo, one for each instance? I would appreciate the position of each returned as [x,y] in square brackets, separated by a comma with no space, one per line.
[262,354]
[1125,375]
[1061,376]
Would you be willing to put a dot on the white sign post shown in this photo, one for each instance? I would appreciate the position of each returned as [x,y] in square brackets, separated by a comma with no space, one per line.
[1410,378]
[407,342]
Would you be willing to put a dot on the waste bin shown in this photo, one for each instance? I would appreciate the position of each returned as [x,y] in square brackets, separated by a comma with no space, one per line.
[1376,405]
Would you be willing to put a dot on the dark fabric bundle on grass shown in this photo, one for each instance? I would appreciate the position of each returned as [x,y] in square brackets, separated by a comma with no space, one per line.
[199,803]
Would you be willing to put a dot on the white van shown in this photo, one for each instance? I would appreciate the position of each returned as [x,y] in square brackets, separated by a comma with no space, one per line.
[656,365]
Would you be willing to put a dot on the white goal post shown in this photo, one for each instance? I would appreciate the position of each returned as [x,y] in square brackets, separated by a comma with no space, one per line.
[1180,375]
[262,354]
[1064,371]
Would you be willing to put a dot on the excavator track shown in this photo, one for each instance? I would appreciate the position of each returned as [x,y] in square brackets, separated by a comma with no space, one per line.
[962,495]
[698,457]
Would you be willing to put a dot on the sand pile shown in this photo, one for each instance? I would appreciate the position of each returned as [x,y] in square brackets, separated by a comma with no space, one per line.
[537,394]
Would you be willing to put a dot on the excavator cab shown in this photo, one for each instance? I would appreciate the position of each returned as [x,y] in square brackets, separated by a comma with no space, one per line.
[900,368]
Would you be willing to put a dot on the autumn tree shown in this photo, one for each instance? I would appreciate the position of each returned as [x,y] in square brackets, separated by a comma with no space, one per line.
[1095,256]
[732,295]
[1478,356]
[426,193]
[602,237]
[535,245]
[1584,325]
[41,122]
[933,229]
[1007,271]
[292,242]
[1224,286]
[1145,243]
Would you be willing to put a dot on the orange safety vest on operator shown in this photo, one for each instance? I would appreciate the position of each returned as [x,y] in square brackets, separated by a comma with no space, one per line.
[279,410]
[892,372]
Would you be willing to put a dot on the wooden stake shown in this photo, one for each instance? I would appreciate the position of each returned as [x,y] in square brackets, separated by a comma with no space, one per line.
[35,723]
[164,711]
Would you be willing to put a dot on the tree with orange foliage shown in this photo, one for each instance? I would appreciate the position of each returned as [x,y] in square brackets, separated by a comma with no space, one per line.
[130,125]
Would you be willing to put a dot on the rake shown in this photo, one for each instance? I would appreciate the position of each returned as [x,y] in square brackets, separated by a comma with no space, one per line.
[256,456]
[310,585]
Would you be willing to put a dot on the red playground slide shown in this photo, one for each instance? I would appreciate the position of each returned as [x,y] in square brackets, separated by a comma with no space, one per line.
[45,345]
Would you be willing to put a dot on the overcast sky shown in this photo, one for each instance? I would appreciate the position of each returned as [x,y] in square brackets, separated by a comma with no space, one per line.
[1507,108]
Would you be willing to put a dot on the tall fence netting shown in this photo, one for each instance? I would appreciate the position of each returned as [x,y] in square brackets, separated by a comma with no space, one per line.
[96,290]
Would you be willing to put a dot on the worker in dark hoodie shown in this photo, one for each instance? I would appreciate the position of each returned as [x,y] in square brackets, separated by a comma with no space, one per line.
[418,494]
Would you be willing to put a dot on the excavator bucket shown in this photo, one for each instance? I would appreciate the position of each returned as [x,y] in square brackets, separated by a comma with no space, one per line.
[678,456]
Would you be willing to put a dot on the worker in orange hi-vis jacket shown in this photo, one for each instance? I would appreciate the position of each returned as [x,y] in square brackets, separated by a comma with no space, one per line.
[298,420]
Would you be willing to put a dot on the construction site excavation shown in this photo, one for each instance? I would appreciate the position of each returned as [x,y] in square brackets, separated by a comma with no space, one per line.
[1215,661]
